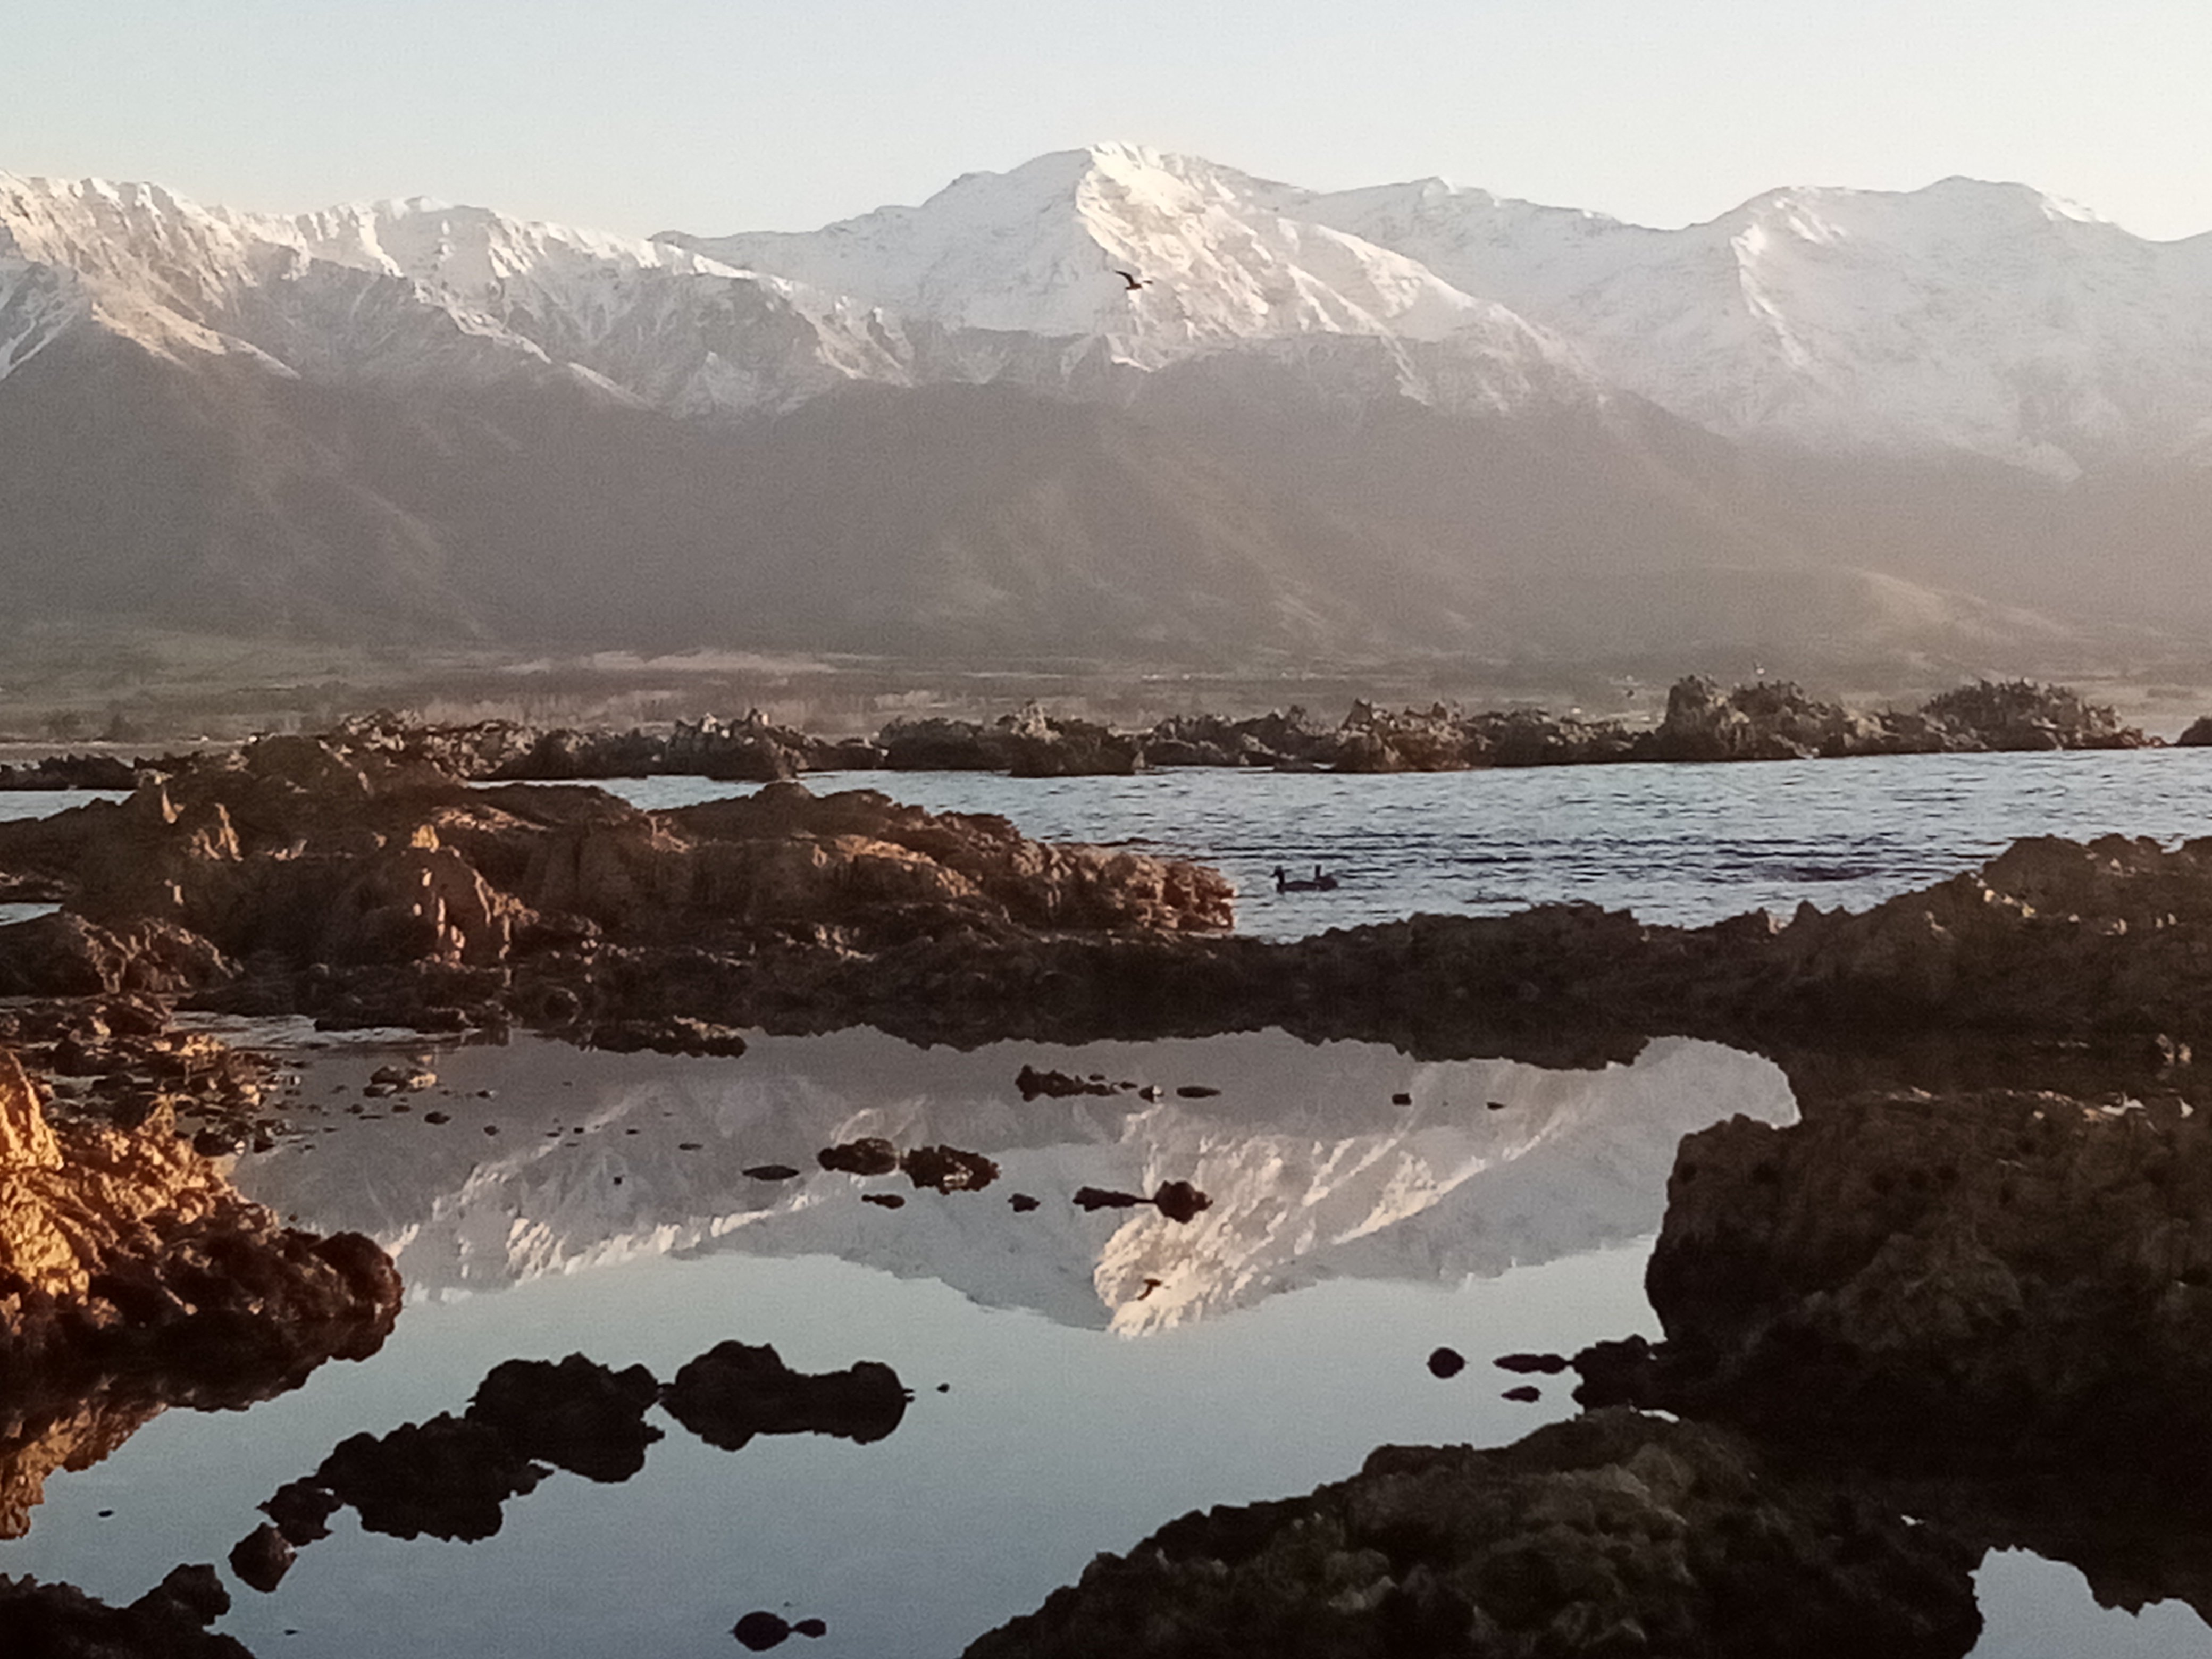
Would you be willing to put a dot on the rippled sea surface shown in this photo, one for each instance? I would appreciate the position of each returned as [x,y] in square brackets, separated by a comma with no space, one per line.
[1079,1378]
[1674,843]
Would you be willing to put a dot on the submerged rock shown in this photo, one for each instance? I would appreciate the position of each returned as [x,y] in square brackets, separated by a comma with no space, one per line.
[1612,1534]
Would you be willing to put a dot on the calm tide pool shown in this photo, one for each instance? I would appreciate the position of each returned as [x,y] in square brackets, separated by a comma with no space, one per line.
[1282,1335]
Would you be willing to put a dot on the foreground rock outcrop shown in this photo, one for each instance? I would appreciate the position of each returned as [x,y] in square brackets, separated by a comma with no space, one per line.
[2004,1281]
[1615,1533]
[134,1277]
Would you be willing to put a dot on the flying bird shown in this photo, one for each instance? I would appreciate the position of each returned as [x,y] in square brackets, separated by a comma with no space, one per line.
[1132,280]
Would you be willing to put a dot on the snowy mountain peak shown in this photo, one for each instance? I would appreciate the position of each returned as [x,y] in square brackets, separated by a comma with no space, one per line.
[1162,257]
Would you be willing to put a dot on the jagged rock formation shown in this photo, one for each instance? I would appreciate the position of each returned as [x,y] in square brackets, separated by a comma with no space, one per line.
[2011,1280]
[1613,1534]
[133,1276]
[294,863]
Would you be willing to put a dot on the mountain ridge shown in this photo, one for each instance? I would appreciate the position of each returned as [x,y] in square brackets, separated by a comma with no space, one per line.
[1402,418]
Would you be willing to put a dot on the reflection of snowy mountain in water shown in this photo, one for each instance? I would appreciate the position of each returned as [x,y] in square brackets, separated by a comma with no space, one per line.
[1313,1170]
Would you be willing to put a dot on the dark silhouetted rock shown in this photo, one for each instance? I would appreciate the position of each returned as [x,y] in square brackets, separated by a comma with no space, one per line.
[1056,1085]
[262,1558]
[60,1622]
[1532,1364]
[1526,1393]
[735,1391]
[883,1200]
[302,1510]
[1611,1534]
[1023,1203]
[1100,1198]
[770,1172]
[759,1630]
[1179,1201]
[949,1169]
[577,1415]
[449,1477]
[871,1155]
[1447,1362]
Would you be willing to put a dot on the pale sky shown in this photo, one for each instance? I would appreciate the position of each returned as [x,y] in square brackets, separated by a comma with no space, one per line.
[719,115]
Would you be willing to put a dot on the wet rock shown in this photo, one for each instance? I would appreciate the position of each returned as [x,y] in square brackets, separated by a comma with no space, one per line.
[736,1391]
[1997,1279]
[871,1155]
[262,1558]
[577,1415]
[949,1169]
[1180,1202]
[1611,1533]
[760,1630]
[1056,1085]
[59,1621]
[126,1255]
[1532,1364]
[1100,1198]
[449,1477]
[1446,1362]
[302,1510]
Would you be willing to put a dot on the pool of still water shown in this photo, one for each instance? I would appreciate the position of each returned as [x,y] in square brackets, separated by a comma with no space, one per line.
[1077,1379]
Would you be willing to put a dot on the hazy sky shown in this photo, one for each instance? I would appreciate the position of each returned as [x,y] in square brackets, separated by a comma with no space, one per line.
[721,115]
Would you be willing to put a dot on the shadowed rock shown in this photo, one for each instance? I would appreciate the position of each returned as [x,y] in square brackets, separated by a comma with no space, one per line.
[949,1169]
[1613,1534]
[736,1391]
[577,1415]
[170,1621]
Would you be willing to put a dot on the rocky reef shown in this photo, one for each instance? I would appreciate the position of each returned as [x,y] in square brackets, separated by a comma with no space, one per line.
[369,890]
[299,877]
[1610,1534]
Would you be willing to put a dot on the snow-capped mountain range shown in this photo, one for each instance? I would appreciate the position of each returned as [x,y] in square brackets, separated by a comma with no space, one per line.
[1116,401]
[1982,318]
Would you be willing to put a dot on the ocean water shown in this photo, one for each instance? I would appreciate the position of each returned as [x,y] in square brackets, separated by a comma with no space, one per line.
[1079,1379]
[1686,844]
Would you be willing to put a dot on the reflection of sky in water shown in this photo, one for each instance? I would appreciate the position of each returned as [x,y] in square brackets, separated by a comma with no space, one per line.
[1057,1439]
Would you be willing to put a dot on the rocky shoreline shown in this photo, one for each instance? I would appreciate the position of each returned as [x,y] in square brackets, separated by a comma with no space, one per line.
[1866,1316]
[1765,720]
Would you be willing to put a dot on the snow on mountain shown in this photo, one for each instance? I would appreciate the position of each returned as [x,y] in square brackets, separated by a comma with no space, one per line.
[419,294]
[1979,317]
[1041,250]
[1966,316]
